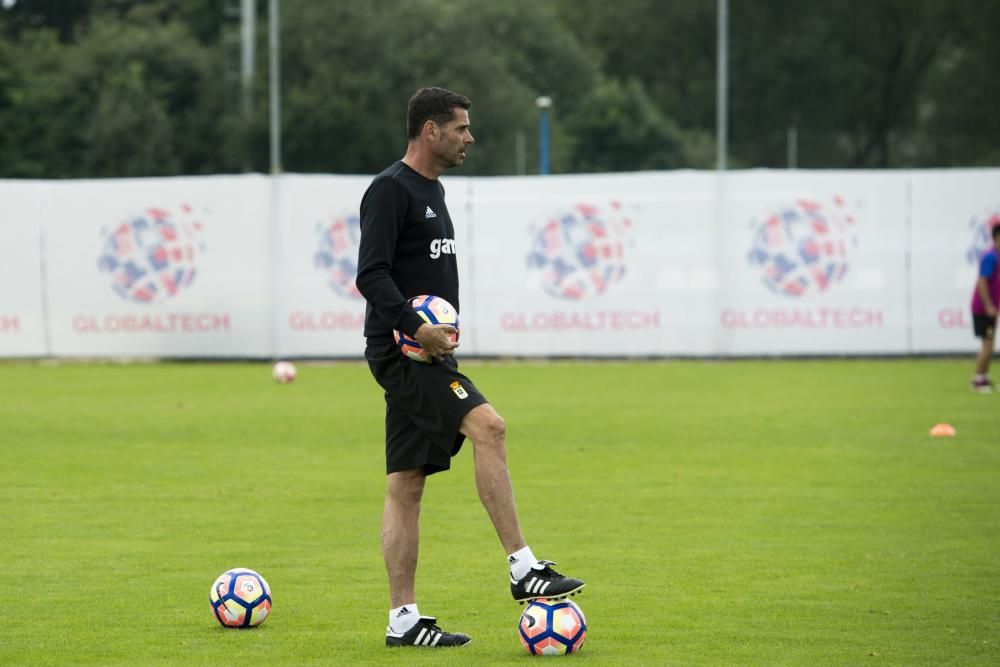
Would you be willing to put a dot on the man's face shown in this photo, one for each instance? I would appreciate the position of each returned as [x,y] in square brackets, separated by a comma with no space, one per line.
[453,139]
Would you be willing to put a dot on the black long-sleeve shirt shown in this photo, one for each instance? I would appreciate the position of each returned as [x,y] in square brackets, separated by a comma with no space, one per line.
[407,249]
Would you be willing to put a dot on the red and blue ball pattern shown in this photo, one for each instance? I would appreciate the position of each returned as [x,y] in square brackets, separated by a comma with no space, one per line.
[433,310]
[582,251]
[240,598]
[152,256]
[982,235]
[803,248]
[552,628]
[337,254]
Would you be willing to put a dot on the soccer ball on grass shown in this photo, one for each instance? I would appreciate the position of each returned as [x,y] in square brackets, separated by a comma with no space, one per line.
[240,598]
[283,372]
[552,627]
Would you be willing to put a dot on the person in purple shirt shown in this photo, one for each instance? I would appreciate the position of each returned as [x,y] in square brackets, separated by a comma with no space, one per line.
[985,301]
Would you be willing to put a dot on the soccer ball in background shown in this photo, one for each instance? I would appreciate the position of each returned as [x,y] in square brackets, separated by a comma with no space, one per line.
[433,310]
[552,628]
[240,598]
[283,372]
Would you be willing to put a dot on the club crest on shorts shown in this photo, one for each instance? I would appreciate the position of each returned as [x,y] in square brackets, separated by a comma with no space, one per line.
[459,390]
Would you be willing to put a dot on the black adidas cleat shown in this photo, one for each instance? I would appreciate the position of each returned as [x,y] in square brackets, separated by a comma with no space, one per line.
[425,633]
[544,582]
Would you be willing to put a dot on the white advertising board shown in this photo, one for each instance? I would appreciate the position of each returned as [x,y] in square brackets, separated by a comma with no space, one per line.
[644,264]
[952,213]
[318,310]
[22,326]
[590,265]
[176,267]
[813,263]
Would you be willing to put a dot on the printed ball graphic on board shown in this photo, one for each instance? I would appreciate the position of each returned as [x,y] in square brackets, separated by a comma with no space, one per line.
[982,235]
[581,252]
[152,256]
[803,248]
[337,254]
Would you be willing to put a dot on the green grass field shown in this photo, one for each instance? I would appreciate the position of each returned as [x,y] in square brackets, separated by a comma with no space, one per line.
[722,513]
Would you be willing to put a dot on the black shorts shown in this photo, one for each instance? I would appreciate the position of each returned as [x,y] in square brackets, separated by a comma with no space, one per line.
[984,326]
[424,405]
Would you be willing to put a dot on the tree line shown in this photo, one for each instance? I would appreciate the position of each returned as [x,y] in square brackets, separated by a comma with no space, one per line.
[103,88]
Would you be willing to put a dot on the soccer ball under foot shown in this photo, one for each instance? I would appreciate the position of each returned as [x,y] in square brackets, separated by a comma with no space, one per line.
[552,628]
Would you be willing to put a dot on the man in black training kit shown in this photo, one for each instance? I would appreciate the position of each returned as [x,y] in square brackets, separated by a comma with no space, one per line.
[408,249]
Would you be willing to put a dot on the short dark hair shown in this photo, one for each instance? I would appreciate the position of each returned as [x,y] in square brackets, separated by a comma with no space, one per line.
[436,104]
[995,231]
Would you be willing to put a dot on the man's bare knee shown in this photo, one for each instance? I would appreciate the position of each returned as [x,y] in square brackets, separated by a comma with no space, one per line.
[406,486]
[484,426]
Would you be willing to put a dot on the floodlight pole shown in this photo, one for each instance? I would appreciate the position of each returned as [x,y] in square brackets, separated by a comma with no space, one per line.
[722,86]
[519,153]
[792,142]
[543,103]
[248,20]
[274,30]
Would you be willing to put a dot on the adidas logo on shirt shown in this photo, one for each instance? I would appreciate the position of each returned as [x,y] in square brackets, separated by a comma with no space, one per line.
[428,214]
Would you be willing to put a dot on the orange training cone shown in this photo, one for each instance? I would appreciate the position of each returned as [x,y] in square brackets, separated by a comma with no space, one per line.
[943,430]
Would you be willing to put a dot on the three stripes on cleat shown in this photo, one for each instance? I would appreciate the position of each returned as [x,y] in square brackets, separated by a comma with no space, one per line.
[427,638]
[536,586]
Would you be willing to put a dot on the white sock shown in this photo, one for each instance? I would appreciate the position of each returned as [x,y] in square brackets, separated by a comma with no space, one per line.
[403,618]
[520,563]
